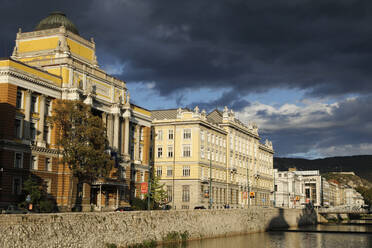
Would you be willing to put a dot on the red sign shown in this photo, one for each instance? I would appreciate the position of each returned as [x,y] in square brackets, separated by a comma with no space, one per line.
[251,194]
[144,188]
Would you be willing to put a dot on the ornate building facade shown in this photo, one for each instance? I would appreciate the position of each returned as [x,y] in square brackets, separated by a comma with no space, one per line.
[55,62]
[212,159]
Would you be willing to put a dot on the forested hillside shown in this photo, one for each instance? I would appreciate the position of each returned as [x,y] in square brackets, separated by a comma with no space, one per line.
[361,165]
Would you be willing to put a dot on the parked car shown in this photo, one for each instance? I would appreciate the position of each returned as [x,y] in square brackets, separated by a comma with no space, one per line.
[124,209]
[166,207]
[199,207]
[13,209]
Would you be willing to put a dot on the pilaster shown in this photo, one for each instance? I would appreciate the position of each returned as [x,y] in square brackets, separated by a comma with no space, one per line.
[41,141]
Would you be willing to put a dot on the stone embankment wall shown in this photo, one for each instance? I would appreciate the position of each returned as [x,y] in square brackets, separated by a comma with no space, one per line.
[125,228]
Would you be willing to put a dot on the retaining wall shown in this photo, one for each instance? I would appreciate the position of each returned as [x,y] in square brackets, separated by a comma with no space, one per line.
[124,228]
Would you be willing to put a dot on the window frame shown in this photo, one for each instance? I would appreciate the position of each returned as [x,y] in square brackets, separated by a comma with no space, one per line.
[20,166]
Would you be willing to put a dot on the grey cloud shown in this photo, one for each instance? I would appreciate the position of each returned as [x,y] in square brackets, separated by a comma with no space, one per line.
[321,46]
[349,125]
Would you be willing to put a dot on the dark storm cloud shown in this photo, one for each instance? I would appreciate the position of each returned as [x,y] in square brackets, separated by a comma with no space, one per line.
[321,46]
[240,46]
[229,98]
[347,124]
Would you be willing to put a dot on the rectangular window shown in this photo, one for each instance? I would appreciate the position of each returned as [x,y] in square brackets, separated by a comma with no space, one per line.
[208,137]
[48,184]
[142,176]
[202,135]
[160,152]
[19,99]
[159,135]
[186,171]
[187,134]
[141,152]
[18,160]
[18,128]
[141,133]
[48,110]
[169,171]
[170,151]
[186,150]
[159,171]
[32,131]
[185,193]
[202,151]
[169,193]
[33,104]
[17,185]
[185,207]
[33,163]
[170,134]
[48,164]
[46,134]
[212,139]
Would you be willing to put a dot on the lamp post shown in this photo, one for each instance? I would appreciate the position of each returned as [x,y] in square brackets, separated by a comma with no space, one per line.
[149,177]
[274,190]
[210,181]
[248,190]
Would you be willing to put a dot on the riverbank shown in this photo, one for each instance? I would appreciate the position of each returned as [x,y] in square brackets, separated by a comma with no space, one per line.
[127,228]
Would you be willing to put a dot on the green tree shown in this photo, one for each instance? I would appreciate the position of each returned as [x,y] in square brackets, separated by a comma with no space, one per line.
[34,190]
[38,196]
[158,195]
[82,140]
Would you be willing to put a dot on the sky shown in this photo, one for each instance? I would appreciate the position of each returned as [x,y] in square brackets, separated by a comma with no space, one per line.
[300,69]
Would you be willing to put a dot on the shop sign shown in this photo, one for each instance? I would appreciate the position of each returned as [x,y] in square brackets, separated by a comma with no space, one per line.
[144,188]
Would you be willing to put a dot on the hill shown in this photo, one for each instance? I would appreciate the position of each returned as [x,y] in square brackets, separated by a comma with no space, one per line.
[360,165]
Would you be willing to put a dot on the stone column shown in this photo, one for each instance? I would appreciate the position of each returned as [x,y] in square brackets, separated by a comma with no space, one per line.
[26,125]
[123,137]
[41,141]
[116,131]
[137,145]
[126,132]
[109,129]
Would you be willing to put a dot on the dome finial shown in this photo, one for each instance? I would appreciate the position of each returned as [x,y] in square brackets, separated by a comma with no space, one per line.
[56,19]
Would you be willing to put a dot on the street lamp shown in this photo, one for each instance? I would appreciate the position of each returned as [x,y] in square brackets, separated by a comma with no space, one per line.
[210,180]
[248,190]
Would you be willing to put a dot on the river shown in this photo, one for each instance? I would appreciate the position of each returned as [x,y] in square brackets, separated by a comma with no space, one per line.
[320,236]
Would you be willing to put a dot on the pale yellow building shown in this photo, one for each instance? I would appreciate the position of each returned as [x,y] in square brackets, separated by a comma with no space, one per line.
[191,147]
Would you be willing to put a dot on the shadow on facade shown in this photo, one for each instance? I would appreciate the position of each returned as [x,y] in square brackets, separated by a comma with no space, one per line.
[308,216]
[47,202]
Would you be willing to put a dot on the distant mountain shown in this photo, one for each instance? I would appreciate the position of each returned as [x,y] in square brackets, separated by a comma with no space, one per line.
[360,165]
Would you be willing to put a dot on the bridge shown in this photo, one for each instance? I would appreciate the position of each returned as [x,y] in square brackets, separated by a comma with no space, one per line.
[341,213]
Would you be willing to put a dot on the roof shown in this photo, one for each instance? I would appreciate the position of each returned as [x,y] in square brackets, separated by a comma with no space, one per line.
[164,114]
[56,20]
[215,116]
[168,114]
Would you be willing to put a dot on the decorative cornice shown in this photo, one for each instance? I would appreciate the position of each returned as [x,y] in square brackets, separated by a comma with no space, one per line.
[43,149]
[28,77]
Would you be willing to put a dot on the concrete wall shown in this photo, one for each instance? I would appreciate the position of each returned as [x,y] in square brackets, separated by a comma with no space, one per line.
[97,229]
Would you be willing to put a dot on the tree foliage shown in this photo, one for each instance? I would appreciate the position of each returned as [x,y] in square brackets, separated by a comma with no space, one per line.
[82,139]
[366,193]
[158,194]
[38,196]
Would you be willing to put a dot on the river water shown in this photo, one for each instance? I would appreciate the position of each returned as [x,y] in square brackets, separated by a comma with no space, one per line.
[357,236]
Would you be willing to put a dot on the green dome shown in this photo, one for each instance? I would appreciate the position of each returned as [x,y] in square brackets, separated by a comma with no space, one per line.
[55,20]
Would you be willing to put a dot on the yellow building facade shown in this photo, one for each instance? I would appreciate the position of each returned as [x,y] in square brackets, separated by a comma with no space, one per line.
[210,159]
[55,62]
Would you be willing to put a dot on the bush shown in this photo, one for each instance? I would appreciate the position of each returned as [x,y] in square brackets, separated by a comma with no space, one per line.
[46,206]
[139,204]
